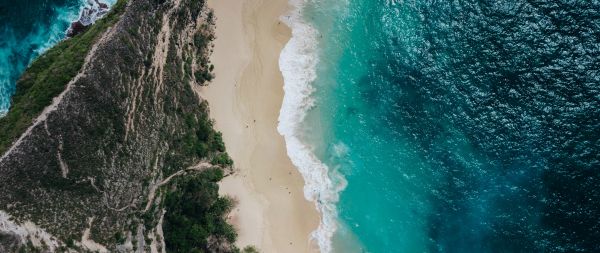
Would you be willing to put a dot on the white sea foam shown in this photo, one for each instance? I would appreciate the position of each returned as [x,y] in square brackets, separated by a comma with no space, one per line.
[55,31]
[41,39]
[298,62]
[50,36]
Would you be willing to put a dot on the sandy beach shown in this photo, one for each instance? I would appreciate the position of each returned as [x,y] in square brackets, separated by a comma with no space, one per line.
[245,98]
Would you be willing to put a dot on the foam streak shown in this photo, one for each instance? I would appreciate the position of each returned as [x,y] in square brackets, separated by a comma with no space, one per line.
[298,63]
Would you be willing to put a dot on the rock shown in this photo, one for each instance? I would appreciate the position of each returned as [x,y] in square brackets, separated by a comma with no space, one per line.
[88,16]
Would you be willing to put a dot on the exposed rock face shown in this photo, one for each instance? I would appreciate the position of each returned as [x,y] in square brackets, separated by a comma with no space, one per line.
[93,11]
[83,173]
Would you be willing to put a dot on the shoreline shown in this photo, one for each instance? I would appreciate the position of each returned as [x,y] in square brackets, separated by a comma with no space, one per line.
[36,42]
[245,100]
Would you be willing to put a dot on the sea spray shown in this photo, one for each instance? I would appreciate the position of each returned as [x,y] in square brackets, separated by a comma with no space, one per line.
[23,40]
[17,52]
[298,63]
[94,10]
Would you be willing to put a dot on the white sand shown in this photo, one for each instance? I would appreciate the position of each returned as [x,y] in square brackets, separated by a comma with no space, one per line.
[245,98]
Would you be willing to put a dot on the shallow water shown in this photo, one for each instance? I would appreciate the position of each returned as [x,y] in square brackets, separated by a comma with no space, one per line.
[468,126]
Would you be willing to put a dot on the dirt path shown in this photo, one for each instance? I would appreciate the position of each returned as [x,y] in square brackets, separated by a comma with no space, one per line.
[198,167]
[162,49]
[57,100]
[89,243]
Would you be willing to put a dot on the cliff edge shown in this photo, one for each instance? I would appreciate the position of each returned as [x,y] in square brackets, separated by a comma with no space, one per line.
[91,168]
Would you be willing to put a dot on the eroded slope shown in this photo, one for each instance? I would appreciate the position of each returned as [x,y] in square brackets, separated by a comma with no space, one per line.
[87,172]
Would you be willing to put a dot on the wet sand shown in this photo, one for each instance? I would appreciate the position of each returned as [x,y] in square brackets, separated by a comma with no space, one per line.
[245,98]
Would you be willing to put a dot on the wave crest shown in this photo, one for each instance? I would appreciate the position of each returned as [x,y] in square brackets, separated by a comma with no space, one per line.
[298,62]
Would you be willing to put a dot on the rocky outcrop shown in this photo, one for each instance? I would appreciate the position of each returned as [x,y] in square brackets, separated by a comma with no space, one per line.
[83,171]
[90,13]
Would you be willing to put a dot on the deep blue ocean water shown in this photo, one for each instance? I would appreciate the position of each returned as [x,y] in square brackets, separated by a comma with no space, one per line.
[27,29]
[457,126]
[451,126]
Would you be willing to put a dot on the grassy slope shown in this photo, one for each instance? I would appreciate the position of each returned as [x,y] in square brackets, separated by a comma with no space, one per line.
[47,77]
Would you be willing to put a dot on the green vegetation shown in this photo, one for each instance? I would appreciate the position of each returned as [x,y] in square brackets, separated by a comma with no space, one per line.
[47,77]
[222,159]
[250,249]
[173,128]
[120,238]
[195,216]
[201,138]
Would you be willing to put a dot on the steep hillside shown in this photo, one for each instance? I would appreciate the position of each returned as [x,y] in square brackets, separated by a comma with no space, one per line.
[105,129]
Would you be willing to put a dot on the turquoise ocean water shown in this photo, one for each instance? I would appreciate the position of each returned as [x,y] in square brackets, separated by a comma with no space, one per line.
[447,126]
[27,29]
[423,126]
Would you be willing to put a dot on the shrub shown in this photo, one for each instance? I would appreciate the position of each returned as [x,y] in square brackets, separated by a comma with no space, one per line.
[195,212]
[47,77]
[222,159]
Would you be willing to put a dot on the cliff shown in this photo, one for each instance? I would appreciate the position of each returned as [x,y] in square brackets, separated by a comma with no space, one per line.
[105,127]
